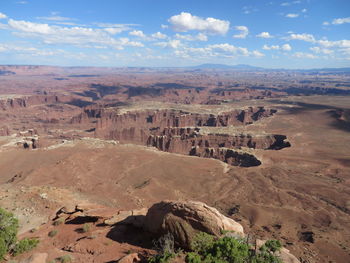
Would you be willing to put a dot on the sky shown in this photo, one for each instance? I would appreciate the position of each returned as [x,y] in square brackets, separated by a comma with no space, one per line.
[175,33]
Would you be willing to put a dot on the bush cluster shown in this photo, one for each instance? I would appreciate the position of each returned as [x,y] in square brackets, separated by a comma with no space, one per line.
[8,236]
[206,248]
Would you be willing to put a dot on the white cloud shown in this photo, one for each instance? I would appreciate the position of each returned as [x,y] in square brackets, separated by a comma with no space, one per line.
[339,43]
[340,21]
[55,18]
[30,27]
[286,47]
[137,33]
[186,21]
[292,15]
[79,36]
[22,2]
[325,23]
[113,30]
[159,35]
[304,10]
[228,49]
[264,35]
[175,44]
[304,55]
[223,50]
[303,37]
[272,47]
[198,37]
[257,54]
[319,50]
[291,3]
[244,32]
[164,26]
[2,16]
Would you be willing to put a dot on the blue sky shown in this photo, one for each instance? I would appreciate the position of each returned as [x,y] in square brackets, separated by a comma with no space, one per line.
[273,34]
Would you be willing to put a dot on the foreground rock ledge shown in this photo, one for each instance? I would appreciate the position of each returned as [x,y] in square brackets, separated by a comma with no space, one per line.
[185,219]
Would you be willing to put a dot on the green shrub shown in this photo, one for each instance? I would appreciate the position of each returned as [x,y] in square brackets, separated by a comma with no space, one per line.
[161,258]
[202,242]
[52,233]
[208,249]
[58,221]
[8,231]
[3,249]
[65,259]
[24,245]
[86,228]
[271,246]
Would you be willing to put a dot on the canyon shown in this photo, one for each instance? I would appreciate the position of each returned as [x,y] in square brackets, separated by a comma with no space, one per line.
[267,149]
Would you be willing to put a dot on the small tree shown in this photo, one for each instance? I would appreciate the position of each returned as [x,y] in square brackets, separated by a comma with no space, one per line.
[8,236]
[8,231]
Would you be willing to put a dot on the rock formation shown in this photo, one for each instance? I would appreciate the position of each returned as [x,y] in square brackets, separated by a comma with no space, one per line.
[185,219]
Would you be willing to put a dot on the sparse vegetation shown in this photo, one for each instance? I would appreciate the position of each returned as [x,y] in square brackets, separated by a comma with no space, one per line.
[206,248]
[65,259]
[58,221]
[8,232]
[165,247]
[8,236]
[86,227]
[52,233]
[25,245]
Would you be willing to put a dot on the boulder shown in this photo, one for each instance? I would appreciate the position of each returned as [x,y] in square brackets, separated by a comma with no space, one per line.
[185,219]
[131,217]
[36,258]
[131,258]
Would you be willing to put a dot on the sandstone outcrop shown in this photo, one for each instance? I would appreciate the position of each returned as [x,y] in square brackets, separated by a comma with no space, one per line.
[185,219]
[131,258]
[178,131]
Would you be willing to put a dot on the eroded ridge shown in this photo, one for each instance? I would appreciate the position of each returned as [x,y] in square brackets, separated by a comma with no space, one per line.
[177,131]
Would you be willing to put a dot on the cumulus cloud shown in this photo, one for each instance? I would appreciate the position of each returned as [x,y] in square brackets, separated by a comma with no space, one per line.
[113,30]
[257,54]
[303,37]
[185,22]
[2,16]
[79,36]
[223,50]
[272,47]
[304,55]
[264,35]
[174,43]
[339,43]
[30,27]
[319,50]
[198,37]
[229,49]
[340,21]
[244,31]
[159,35]
[292,15]
[137,33]
[285,47]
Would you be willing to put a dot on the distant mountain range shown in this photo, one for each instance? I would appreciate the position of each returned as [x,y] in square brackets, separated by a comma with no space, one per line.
[253,68]
[223,66]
